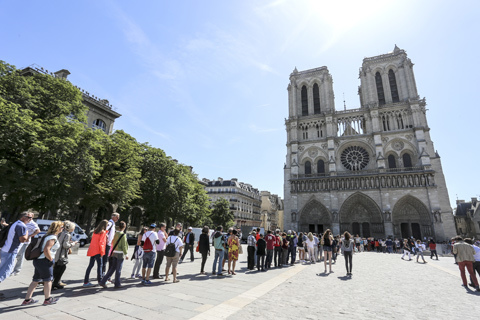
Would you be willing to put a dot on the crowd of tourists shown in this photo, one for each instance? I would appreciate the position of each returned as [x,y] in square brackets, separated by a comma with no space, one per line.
[274,249]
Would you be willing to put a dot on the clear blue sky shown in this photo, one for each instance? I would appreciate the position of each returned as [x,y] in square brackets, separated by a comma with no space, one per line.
[206,80]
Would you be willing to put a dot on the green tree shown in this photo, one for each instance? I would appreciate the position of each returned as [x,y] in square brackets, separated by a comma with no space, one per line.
[221,214]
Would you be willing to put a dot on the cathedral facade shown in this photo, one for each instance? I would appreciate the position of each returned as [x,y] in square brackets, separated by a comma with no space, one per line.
[372,171]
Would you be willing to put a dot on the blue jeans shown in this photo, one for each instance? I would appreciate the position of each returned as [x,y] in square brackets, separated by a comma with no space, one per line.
[115,264]
[7,264]
[219,257]
[98,259]
[268,260]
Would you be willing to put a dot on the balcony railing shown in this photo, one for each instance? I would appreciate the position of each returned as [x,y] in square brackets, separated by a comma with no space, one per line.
[361,172]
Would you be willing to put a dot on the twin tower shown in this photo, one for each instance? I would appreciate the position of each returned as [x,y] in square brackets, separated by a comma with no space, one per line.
[372,171]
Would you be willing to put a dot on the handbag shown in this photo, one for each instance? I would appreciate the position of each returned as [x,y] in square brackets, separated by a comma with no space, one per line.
[62,260]
[198,247]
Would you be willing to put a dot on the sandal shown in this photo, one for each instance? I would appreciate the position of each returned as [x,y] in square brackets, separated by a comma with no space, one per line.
[166,279]
[233,273]
[176,280]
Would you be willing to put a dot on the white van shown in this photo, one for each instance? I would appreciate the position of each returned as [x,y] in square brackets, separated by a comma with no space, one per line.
[198,231]
[77,235]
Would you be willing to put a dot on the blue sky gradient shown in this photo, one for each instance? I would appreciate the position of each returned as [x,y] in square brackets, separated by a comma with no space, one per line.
[206,80]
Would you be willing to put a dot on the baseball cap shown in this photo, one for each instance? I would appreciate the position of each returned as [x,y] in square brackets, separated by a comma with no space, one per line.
[153,225]
[190,228]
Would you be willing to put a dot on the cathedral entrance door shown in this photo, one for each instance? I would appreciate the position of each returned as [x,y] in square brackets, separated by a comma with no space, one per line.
[405,230]
[356,228]
[320,228]
[411,218]
[366,230]
[360,214]
[311,228]
[416,233]
[314,214]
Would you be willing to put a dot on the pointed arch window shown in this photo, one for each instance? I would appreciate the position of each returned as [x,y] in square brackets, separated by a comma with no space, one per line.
[391,161]
[304,101]
[380,92]
[316,99]
[321,167]
[308,167]
[393,86]
[407,160]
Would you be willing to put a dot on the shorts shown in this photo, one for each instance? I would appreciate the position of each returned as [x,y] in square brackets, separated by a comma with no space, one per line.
[149,259]
[327,248]
[225,255]
[301,249]
[173,261]
[43,270]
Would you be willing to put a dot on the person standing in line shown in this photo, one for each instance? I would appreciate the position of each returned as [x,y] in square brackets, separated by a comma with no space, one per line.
[277,258]
[162,238]
[310,247]
[327,248]
[420,247]
[178,226]
[189,242]
[225,252]
[96,251]
[301,249]
[17,235]
[315,248]
[110,234]
[61,256]
[292,246]
[44,266]
[285,248]
[320,247]
[251,244]
[137,256]
[358,240]
[261,251]
[204,247]
[389,244]
[433,249]
[219,245]
[476,263]
[257,237]
[117,255]
[233,244]
[347,246]
[149,242]
[270,239]
[173,261]
[465,256]
[33,230]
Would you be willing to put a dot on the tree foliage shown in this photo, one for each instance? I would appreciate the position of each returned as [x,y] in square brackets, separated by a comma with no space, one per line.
[221,214]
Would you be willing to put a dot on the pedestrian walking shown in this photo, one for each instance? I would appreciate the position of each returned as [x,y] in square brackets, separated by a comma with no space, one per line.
[43,266]
[347,247]
[204,247]
[327,242]
[96,251]
[61,256]
[173,261]
[137,256]
[420,247]
[162,238]
[465,257]
[233,244]
[33,230]
[117,254]
[189,242]
[406,249]
[433,248]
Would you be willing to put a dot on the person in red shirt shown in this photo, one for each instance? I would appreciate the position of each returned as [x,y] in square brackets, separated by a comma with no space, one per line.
[277,259]
[270,239]
[433,248]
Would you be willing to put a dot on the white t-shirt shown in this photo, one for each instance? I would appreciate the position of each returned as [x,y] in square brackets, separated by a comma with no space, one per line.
[31,227]
[152,235]
[477,253]
[111,232]
[310,244]
[161,236]
[54,248]
[178,242]
[12,243]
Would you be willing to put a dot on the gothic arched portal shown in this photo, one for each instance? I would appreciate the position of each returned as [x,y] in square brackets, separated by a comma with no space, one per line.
[411,218]
[314,217]
[359,214]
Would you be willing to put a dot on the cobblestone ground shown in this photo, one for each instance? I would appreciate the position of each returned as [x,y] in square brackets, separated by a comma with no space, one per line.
[382,287]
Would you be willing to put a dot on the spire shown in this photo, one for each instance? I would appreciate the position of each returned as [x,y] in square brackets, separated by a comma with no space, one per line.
[396,49]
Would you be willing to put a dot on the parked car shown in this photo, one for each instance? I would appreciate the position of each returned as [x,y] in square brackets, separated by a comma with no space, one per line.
[132,239]
[77,235]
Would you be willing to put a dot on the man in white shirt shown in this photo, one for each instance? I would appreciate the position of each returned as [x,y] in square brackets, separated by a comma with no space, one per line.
[33,230]
[149,242]
[110,234]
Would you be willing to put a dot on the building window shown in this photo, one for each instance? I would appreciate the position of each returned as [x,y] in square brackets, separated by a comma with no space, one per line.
[407,160]
[393,86]
[99,124]
[380,93]
[391,161]
[316,99]
[304,101]
[320,167]
[308,167]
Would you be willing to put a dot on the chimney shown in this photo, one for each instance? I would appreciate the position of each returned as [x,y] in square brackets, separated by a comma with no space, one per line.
[62,74]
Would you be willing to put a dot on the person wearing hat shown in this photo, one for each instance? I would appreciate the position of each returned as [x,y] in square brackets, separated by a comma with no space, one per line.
[189,241]
[149,242]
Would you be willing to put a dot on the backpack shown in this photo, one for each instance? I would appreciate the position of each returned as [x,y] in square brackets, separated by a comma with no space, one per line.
[34,249]
[4,235]
[148,245]
[170,250]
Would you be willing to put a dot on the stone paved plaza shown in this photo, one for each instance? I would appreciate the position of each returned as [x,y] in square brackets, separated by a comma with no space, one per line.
[382,287]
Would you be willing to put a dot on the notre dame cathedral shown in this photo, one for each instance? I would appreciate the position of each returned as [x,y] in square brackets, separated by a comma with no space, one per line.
[372,171]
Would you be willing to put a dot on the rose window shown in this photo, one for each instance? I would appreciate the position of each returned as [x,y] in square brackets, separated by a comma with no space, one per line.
[354,158]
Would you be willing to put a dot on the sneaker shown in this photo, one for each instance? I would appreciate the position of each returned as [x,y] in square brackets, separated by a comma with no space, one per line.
[138,275]
[220,274]
[103,285]
[15,273]
[62,284]
[50,301]
[88,285]
[147,282]
[29,302]
[143,281]
[132,276]
[214,273]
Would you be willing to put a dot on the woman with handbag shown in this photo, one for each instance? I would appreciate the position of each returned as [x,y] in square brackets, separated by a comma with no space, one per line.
[96,251]
[204,247]
[117,255]
[44,265]
[61,257]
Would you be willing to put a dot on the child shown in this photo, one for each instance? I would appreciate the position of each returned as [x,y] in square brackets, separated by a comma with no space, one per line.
[261,251]
[137,256]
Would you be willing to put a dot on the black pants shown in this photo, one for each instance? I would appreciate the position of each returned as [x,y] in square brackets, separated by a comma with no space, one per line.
[204,259]
[476,267]
[277,256]
[268,260]
[158,263]
[188,246]
[58,273]
[348,260]
[105,257]
[250,258]
[433,252]
[260,262]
